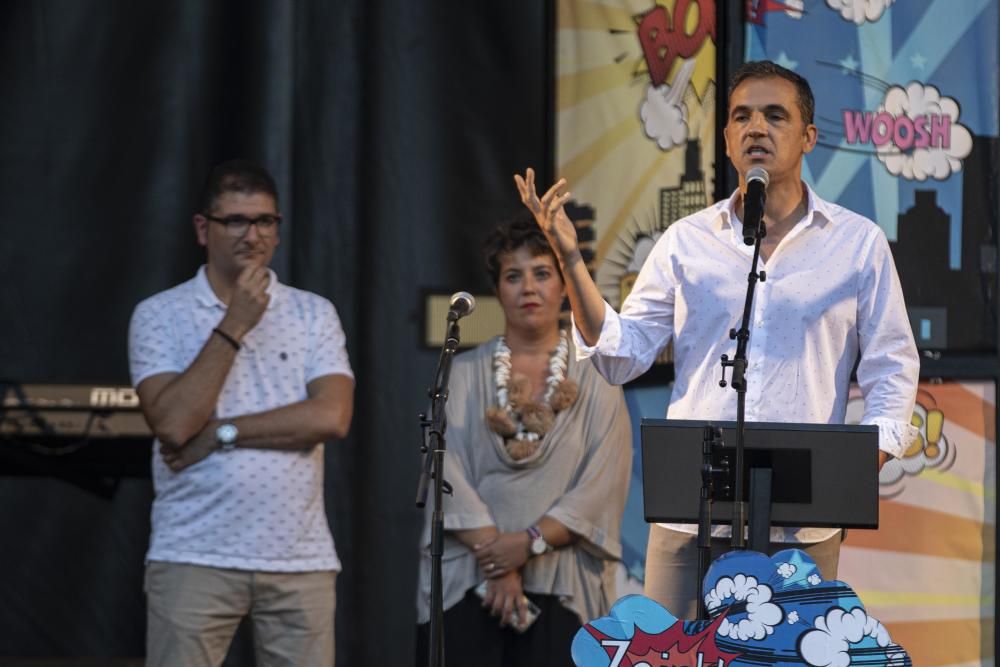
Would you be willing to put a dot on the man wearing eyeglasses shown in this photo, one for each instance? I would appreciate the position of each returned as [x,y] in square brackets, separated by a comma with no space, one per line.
[240,378]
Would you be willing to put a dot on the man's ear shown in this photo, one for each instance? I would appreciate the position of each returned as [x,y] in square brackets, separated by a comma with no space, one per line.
[811,136]
[201,223]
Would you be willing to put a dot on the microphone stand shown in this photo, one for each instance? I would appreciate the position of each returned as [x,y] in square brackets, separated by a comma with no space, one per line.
[433,448]
[739,381]
[712,446]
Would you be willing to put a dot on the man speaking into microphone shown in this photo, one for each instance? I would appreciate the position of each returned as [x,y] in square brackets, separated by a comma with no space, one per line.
[831,298]
[754,196]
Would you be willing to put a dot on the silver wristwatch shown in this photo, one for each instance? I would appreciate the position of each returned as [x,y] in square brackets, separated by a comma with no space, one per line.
[538,545]
[226,435]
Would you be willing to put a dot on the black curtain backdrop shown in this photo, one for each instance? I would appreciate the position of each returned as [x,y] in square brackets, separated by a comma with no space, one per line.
[392,128]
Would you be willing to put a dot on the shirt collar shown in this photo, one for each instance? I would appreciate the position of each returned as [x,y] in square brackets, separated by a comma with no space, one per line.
[207,297]
[818,210]
[818,206]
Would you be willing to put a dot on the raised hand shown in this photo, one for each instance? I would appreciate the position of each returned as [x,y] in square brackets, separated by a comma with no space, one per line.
[584,297]
[549,213]
[248,301]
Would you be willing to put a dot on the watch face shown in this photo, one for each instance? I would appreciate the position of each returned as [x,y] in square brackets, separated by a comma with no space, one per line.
[226,434]
[538,546]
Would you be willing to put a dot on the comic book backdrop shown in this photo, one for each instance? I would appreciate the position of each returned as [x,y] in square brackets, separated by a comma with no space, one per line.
[907,112]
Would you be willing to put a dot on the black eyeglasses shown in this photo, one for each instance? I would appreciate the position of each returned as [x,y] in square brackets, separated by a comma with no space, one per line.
[237,225]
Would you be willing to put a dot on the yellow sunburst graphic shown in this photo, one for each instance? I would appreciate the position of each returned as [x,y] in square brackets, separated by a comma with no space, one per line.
[635,104]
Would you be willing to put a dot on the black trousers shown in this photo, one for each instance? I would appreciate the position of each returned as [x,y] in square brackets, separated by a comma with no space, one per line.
[473,638]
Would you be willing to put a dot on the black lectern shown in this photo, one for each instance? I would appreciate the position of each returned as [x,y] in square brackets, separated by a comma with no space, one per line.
[821,474]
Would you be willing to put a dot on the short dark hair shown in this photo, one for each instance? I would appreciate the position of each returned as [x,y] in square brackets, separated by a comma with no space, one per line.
[519,231]
[762,69]
[243,176]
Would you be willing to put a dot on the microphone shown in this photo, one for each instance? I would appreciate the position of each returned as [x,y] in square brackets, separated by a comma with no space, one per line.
[753,205]
[461,304]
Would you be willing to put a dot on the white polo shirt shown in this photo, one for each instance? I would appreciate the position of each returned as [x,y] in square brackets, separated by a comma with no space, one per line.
[247,509]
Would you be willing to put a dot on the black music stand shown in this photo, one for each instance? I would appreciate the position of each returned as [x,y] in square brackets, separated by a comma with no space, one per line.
[822,475]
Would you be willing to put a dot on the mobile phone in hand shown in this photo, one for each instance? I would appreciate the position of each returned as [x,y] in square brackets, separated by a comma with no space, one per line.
[520,624]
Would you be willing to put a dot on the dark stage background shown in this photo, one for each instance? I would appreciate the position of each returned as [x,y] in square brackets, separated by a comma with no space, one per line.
[393,129]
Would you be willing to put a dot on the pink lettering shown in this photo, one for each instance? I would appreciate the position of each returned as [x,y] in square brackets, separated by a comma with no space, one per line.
[904,132]
[882,128]
[903,140]
[941,131]
[857,126]
[923,140]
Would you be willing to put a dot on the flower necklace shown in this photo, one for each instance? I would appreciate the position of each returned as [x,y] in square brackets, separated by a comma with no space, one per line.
[521,422]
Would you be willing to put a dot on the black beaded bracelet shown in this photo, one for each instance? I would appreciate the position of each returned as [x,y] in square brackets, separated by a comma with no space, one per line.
[229,339]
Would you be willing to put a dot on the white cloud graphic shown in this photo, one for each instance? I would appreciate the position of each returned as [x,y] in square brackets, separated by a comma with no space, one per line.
[814,579]
[663,112]
[915,463]
[762,614]
[920,107]
[827,645]
[786,570]
[663,122]
[859,11]
[793,617]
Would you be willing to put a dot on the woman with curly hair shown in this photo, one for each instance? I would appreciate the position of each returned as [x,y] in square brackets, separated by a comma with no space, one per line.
[539,456]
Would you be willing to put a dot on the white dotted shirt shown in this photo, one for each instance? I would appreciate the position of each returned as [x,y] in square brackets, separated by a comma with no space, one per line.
[247,509]
[831,294]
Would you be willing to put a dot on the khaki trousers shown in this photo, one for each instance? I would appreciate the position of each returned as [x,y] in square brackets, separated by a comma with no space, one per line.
[672,565]
[193,613]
